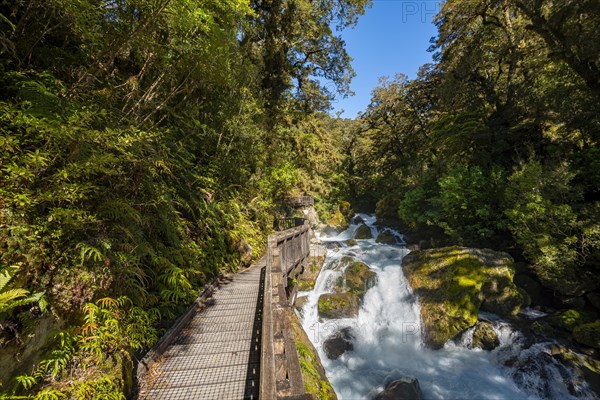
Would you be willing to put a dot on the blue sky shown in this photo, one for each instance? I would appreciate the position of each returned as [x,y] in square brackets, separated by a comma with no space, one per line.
[393,36]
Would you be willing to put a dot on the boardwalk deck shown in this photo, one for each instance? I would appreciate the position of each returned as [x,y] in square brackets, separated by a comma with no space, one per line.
[217,354]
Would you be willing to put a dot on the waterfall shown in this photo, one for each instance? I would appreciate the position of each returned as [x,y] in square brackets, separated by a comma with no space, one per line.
[388,343]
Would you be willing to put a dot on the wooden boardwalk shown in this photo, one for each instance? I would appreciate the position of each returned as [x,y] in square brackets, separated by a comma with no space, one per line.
[217,354]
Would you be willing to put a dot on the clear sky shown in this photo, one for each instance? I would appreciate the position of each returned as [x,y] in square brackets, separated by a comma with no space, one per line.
[393,36]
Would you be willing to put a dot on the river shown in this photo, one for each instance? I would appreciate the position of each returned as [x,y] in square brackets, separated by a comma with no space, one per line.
[388,342]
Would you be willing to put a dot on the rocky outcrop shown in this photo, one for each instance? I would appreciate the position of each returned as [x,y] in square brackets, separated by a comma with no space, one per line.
[338,305]
[406,388]
[485,337]
[454,283]
[363,232]
[338,343]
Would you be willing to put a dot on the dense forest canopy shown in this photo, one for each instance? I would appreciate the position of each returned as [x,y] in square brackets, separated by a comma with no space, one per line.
[146,145]
[496,143]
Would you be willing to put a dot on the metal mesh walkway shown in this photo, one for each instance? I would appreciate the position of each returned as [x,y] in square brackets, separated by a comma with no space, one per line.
[217,354]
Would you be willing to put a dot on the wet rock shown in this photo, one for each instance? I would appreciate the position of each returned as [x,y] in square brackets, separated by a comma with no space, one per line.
[406,388]
[357,278]
[363,232]
[588,334]
[485,337]
[351,242]
[329,231]
[338,305]
[454,282]
[338,343]
[386,237]
[569,319]
[332,245]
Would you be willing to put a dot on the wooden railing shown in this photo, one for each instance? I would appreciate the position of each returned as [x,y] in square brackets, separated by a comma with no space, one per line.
[280,375]
[301,201]
[282,224]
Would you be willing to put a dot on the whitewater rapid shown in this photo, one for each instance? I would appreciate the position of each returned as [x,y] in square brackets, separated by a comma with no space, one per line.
[388,342]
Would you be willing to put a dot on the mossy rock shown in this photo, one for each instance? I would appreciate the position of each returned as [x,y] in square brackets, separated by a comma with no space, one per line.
[351,242]
[338,221]
[542,328]
[363,232]
[453,282]
[568,320]
[588,334]
[338,305]
[485,337]
[357,278]
[386,237]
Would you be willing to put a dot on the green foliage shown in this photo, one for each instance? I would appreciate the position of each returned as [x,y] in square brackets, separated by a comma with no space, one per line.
[139,159]
[11,297]
[495,144]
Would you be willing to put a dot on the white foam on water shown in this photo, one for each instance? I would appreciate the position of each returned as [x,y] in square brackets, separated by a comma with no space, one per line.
[388,342]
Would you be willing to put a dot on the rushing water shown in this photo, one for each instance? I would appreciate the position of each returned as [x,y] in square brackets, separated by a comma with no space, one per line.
[388,343]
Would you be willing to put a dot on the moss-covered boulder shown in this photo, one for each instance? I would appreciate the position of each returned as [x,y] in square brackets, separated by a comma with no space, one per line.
[357,278]
[338,305]
[452,284]
[363,232]
[485,337]
[338,221]
[351,242]
[588,334]
[569,319]
[386,237]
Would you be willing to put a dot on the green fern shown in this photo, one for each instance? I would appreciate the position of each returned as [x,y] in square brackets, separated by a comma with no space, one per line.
[11,298]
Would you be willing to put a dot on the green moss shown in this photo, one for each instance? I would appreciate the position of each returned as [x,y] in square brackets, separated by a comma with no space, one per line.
[338,305]
[453,283]
[313,374]
[568,320]
[588,334]
[338,221]
[357,278]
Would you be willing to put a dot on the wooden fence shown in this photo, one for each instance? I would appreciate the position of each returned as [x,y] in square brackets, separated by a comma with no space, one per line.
[280,375]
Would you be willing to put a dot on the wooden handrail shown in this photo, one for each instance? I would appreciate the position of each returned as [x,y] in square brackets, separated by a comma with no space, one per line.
[280,374]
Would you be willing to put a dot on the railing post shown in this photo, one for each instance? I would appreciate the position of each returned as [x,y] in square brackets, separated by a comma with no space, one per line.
[267,358]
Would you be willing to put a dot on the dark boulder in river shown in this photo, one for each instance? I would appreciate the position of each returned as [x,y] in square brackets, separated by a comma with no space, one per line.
[406,388]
